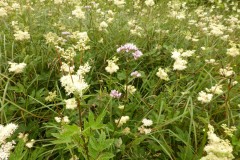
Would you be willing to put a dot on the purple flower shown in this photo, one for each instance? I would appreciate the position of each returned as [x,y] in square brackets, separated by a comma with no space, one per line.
[136,74]
[137,54]
[66,33]
[115,94]
[128,47]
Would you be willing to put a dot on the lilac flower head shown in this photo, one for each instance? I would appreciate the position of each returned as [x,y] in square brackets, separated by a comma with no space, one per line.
[137,54]
[136,74]
[66,33]
[129,47]
[115,94]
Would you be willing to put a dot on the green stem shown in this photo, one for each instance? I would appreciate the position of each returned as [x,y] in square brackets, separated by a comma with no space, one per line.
[126,81]
[81,127]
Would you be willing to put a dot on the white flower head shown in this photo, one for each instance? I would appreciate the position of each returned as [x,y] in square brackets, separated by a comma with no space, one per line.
[162,74]
[5,147]
[16,67]
[234,51]
[103,25]
[149,3]
[66,68]
[83,69]
[74,84]
[130,89]
[227,71]
[71,103]
[65,119]
[21,35]
[7,131]
[23,136]
[204,97]
[112,66]
[51,96]
[3,12]
[144,130]
[180,64]
[30,143]
[121,121]
[188,53]
[58,119]
[78,13]
[217,89]
[217,148]
[119,3]
[136,74]
[147,122]
[176,55]
[121,107]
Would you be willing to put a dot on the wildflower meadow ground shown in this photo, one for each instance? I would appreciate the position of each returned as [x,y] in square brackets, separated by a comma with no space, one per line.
[119,79]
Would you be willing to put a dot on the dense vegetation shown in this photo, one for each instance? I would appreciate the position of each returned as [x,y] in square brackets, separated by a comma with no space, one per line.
[119,79]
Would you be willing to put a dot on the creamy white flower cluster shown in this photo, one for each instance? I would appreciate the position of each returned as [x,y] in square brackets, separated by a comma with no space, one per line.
[3,12]
[81,40]
[135,29]
[217,89]
[105,19]
[103,26]
[234,50]
[71,103]
[78,13]
[119,3]
[227,71]
[5,133]
[177,9]
[112,66]
[64,119]
[16,67]
[144,128]
[130,89]
[149,3]
[53,38]
[121,121]
[162,74]
[217,148]
[206,97]
[229,131]
[178,55]
[24,137]
[74,84]
[51,96]
[19,33]
[216,24]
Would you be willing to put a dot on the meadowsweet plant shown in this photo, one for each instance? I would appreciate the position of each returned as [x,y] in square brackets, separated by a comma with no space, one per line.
[5,145]
[119,79]
[217,147]
[16,67]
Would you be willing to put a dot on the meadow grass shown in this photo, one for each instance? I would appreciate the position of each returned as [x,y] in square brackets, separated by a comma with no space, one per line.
[119,79]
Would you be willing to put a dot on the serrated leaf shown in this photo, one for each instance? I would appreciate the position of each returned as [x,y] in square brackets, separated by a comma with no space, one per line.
[105,156]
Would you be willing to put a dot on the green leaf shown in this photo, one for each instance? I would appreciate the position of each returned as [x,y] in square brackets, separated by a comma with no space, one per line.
[19,152]
[105,156]
[66,135]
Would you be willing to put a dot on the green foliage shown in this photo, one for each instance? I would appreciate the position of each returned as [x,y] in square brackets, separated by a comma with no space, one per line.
[99,126]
